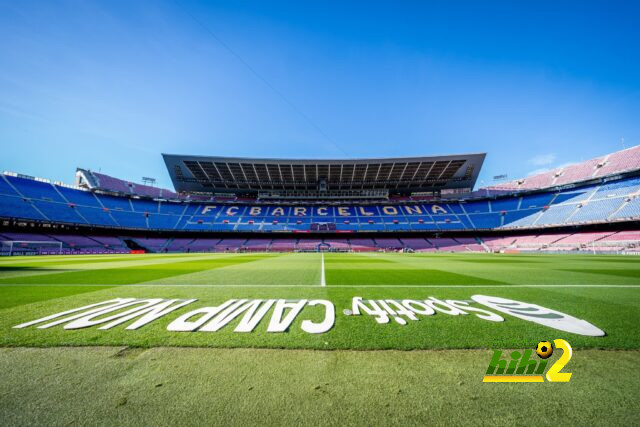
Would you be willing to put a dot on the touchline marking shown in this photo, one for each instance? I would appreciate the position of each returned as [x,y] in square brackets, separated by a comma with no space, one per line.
[197,285]
[323,282]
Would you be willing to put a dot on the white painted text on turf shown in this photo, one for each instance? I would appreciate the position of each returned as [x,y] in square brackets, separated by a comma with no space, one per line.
[317,316]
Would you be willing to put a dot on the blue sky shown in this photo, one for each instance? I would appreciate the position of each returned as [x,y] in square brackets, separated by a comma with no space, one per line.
[110,85]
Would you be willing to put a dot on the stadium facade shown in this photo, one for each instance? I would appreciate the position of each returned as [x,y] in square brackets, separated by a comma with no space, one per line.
[243,204]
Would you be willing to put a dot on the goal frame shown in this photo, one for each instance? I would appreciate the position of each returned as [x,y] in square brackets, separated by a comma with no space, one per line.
[12,243]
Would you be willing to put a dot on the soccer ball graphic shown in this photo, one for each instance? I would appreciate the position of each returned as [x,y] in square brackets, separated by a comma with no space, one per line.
[544,349]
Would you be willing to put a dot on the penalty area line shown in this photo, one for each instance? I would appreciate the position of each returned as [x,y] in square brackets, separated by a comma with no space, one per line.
[323,282]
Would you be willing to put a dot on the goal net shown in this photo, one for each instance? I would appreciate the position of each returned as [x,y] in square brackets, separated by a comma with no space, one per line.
[27,247]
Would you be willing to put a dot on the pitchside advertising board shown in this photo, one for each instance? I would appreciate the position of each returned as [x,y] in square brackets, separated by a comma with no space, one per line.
[279,316]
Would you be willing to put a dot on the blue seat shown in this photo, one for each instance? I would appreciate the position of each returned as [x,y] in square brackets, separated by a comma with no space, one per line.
[35,189]
[172,208]
[79,197]
[476,207]
[163,222]
[96,216]
[17,207]
[129,219]
[593,203]
[486,220]
[59,212]
[115,203]
[536,200]
[5,188]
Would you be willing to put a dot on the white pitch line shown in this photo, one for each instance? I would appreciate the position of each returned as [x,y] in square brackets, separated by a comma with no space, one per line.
[197,285]
[323,282]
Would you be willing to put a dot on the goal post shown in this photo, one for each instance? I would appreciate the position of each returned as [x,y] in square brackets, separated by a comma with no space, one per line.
[30,247]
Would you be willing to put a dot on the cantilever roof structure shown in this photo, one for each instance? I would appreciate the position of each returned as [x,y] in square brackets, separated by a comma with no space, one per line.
[203,174]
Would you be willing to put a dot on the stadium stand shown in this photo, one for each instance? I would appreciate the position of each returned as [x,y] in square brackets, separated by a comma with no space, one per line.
[178,245]
[598,192]
[227,245]
[417,244]
[71,244]
[471,244]
[257,245]
[601,242]
[362,245]
[605,202]
[152,244]
[623,205]
[389,244]
[617,162]
[110,242]
[28,237]
[283,245]
[308,245]
[497,244]
[99,181]
[207,245]
[338,245]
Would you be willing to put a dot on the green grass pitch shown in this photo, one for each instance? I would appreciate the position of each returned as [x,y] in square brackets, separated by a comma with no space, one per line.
[340,376]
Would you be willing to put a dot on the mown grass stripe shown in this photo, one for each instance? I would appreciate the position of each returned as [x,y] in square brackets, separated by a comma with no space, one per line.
[130,273]
[199,285]
[36,270]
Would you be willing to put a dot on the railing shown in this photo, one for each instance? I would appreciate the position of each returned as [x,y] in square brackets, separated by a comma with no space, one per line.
[328,194]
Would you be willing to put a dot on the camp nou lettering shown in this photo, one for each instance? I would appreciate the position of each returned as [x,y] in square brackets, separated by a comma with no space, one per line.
[280,314]
[206,319]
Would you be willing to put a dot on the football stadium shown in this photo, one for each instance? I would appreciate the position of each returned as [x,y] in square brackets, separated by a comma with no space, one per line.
[305,269]
[333,213]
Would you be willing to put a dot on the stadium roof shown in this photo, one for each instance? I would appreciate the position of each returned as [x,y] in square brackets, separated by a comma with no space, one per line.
[203,174]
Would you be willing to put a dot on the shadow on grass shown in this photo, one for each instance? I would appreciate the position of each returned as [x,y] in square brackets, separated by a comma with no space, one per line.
[14,269]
